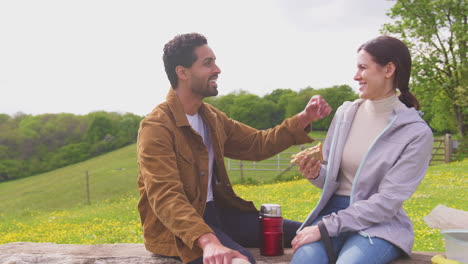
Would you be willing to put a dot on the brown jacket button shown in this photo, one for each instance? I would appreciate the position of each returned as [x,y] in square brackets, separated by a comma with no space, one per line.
[202,173]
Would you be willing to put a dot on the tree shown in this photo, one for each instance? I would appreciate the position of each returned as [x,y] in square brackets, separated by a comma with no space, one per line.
[277,94]
[100,126]
[27,135]
[128,129]
[335,97]
[33,144]
[254,111]
[280,97]
[225,103]
[435,31]
[4,118]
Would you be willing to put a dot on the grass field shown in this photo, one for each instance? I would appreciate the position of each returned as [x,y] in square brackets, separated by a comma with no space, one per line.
[51,207]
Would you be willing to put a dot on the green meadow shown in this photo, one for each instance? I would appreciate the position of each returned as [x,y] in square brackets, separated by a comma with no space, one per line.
[52,207]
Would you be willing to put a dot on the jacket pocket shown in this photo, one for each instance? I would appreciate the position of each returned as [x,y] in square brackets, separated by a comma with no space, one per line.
[184,157]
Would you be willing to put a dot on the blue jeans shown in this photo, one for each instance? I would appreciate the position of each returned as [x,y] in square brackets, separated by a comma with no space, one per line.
[350,247]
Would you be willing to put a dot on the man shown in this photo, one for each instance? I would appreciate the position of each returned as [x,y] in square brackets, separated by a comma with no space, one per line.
[187,206]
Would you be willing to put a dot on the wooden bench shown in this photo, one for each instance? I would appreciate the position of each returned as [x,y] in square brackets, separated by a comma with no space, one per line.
[26,252]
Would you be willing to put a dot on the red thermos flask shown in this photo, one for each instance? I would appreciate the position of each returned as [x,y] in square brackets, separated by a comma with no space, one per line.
[271,230]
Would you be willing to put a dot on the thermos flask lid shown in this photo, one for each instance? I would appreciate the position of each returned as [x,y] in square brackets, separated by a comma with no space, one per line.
[270,210]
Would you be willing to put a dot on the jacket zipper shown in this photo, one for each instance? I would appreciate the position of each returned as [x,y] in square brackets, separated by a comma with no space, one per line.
[364,234]
[330,155]
[358,173]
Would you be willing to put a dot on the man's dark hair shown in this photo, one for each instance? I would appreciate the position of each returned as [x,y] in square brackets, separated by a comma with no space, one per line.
[180,51]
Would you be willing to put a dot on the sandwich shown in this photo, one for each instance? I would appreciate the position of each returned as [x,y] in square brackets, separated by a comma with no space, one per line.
[315,152]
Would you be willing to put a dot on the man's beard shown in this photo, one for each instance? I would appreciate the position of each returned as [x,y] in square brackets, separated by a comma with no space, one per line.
[209,91]
[206,90]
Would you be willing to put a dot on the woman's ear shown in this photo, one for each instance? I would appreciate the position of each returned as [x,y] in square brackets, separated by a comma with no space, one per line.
[181,72]
[390,69]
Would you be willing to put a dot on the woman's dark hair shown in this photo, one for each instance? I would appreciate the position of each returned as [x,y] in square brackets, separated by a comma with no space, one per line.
[385,49]
[180,51]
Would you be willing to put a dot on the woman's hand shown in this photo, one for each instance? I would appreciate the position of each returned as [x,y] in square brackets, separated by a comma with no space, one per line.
[307,235]
[310,167]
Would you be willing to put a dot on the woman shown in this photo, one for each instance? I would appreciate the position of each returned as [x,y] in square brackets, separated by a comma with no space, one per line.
[376,153]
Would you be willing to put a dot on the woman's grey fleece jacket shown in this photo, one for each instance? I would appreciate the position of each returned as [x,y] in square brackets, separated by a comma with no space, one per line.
[388,175]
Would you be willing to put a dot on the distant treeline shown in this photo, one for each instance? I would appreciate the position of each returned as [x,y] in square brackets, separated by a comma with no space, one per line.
[34,144]
[271,109]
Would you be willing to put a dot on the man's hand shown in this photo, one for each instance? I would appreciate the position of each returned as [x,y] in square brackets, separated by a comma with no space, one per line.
[317,108]
[305,236]
[215,253]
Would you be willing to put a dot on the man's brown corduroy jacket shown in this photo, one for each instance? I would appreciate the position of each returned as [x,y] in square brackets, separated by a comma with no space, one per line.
[173,171]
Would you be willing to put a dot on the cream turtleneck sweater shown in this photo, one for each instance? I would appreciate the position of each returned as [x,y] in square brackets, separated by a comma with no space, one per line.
[370,120]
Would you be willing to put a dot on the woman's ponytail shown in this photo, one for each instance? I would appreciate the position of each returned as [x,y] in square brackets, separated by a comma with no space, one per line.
[407,98]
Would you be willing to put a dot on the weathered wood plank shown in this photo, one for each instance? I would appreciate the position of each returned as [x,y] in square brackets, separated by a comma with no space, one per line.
[26,252]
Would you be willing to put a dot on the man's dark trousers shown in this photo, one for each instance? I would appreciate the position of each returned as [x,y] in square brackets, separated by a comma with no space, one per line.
[239,230]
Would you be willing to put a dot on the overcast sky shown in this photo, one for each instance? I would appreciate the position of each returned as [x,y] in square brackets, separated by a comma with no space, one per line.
[90,55]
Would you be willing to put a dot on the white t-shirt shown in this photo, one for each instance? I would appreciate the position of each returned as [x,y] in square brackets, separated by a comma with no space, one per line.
[199,125]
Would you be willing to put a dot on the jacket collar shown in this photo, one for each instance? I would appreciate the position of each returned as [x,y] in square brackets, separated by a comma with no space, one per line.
[177,110]
[407,116]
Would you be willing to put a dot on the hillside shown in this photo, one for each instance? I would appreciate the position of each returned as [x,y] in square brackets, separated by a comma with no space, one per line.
[110,176]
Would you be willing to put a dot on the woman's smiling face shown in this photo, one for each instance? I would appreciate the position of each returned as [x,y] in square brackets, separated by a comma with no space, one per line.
[373,78]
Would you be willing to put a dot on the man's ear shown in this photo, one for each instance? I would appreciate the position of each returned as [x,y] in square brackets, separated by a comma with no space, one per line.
[182,72]
[390,69]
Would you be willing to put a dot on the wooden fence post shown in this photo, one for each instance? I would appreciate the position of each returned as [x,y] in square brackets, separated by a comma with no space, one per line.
[448,147]
[87,188]
[241,165]
[278,161]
